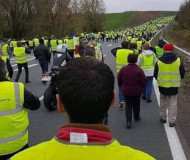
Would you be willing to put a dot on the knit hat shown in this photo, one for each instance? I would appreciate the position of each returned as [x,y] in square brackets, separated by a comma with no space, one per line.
[168,47]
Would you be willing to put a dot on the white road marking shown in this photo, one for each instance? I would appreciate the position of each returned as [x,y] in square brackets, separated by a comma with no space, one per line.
[109,45]
[173,139]
[41,98]
[28,66]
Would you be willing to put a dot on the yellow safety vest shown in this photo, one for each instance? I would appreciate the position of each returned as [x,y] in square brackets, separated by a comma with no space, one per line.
[159,51]
[169,74]
[13,118]
[21,56]
[58,150]
[13,44]
[70,44]
[36,42]
[46,42]
[5,50]
[147,62]
[53,44]
[31,43]
[60,42]
[139,45]
[134,40]
[121,58]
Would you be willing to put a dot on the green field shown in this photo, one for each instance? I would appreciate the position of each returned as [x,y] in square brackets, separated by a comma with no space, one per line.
[117,20]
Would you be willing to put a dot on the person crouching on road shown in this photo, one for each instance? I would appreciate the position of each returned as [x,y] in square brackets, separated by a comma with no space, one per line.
[131,79]
[43,55]
[14,102]
[169,71]
[146,60]
[85,97]
[22,61]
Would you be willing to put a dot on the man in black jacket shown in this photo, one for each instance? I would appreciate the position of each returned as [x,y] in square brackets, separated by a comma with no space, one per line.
[168,72]
[43,55]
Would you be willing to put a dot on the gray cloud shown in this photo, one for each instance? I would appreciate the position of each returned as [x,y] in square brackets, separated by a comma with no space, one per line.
[115,6]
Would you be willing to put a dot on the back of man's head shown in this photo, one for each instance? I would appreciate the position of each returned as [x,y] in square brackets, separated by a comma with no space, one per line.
[89,51]
[145,47]
[2,69]
[86,88]
[41,41]
[125,45]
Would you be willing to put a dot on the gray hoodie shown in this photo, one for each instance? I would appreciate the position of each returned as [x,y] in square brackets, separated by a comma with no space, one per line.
[148,72]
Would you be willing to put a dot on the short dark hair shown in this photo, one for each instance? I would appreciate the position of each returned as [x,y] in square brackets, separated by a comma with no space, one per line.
[125,44]
[89,51]
[19,44]
[132,58]
[146,46]
[86,88]
[41,41]
[2,69]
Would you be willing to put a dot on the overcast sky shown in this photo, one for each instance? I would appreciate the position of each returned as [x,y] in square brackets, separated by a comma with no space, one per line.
[115,6]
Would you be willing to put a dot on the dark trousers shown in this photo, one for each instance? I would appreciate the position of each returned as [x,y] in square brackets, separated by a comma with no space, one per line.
[44,66]
[25,65]
[71,53]
[9,68]
[5,157]
[132,103]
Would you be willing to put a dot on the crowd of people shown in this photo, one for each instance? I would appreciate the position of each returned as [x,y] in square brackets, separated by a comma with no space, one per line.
[85,134]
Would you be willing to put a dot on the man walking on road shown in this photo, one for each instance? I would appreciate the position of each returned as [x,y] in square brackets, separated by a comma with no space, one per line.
[85,93]
[169,71]
[43,55]
[14,102]
[22,61]
[146,61]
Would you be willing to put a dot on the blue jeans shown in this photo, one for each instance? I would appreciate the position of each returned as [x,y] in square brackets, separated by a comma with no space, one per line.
[44,66]
[121,97]
[147,90]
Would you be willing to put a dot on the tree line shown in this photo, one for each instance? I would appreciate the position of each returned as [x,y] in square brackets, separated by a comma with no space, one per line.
[183,16]
[27,18]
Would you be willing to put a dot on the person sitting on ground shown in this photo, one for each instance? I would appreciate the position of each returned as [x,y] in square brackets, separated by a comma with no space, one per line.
[85,93]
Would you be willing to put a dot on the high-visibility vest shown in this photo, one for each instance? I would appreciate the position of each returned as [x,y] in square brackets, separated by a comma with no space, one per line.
[70,44]
[57,149]
[169,74]
[13,44]
[139,45]
[121,58]
[31,43]
[136,51]
[60,41]
[53,44]
[5,50]
[78,40]
[21,56]
[13,118]
[46,42]
[134,40]
[159,51]
[149,43]
[147,62]
[36,42]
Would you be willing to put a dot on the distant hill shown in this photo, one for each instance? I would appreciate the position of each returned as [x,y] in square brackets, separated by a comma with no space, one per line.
[132,18]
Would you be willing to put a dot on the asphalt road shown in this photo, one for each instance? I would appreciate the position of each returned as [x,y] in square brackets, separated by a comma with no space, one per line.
[147,135]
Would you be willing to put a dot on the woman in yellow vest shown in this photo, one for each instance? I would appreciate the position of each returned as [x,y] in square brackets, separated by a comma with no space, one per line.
[85,97]
[14,100]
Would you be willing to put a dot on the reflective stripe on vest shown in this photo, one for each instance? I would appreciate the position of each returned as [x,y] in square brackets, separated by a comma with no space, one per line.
[21,56]
[13,118]
[147,62]
[159,51]
[121,58]
[169,74]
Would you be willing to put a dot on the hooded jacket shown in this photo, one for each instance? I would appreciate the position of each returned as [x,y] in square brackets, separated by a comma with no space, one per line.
[168,58]
[148,72]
